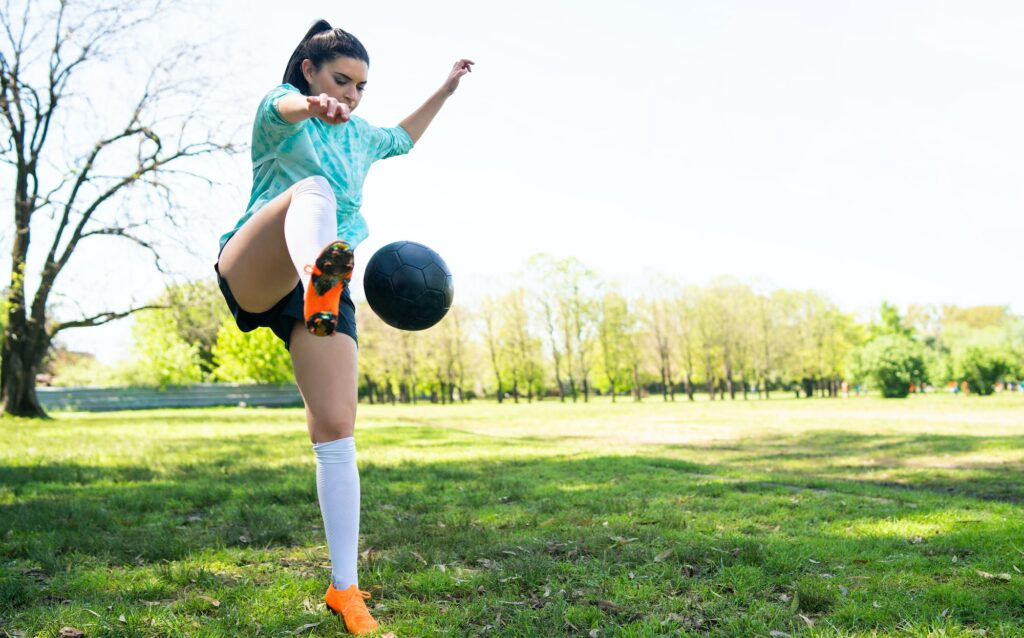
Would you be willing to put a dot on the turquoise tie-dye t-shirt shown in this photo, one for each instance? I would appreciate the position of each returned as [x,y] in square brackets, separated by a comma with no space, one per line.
[284,153]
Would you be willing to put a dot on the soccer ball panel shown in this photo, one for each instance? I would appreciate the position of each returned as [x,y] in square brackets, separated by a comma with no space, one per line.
[435,277]
[385,262]
[416,255]
[408,283]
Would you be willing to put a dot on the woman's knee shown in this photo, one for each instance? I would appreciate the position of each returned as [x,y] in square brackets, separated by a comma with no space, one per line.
[322,430]
[316,185]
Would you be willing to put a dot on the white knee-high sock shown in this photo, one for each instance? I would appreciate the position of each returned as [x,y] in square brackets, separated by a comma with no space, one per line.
[337,486]
[310,223]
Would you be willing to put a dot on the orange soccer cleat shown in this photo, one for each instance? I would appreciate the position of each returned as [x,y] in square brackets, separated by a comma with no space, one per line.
[350,604]
[330,275]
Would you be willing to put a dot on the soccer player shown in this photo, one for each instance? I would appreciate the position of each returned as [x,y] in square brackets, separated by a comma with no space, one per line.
[287,262]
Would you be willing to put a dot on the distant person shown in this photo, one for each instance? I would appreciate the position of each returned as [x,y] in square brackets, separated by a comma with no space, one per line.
[287,262]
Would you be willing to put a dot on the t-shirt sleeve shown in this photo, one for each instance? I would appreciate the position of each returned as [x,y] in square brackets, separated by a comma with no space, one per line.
[268,118]
[388,142]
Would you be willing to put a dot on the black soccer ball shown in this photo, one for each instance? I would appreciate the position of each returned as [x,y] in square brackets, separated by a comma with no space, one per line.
[408,285]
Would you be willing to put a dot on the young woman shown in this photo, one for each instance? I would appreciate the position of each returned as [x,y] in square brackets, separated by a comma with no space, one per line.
[287,262]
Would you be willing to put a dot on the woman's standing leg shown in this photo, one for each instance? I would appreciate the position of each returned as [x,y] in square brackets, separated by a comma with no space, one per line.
[326,372]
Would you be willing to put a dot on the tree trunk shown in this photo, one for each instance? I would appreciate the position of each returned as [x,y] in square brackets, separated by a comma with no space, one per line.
[25,345]
[636,382]
[21,360]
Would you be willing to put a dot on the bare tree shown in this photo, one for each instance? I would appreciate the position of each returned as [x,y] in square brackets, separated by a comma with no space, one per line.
[43,48]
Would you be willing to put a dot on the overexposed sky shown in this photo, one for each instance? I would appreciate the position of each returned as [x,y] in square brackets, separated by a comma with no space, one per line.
[869,150]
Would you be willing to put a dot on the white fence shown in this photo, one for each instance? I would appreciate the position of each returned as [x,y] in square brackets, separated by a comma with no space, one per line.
[193,396]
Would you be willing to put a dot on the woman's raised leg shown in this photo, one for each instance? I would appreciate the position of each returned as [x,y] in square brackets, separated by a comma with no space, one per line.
[264,260]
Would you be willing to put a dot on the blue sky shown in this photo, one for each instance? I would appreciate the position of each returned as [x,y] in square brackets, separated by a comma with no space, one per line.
[869,150]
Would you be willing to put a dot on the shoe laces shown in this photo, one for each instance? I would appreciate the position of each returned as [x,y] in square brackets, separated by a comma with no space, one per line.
[356,598]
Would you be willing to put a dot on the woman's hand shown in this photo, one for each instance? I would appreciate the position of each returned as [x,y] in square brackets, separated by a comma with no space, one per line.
[327,108]
[461,68]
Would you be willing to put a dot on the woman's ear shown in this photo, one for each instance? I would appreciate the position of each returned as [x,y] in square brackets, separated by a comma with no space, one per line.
[307,70]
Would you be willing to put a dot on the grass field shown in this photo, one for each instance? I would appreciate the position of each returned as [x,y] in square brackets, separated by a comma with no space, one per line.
[859,517]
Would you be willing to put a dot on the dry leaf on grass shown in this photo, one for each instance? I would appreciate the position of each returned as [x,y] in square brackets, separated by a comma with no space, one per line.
[306,628]
[212,601]
[989,576]
[662,556]
[608,605]
[778,634]
[71,632]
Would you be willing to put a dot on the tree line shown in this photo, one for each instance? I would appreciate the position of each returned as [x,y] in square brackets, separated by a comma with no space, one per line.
[562,332]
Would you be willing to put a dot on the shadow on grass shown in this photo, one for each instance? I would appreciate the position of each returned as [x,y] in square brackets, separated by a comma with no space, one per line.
[938,464]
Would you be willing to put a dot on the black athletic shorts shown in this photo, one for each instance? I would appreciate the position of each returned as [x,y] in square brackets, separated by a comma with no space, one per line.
[282,317]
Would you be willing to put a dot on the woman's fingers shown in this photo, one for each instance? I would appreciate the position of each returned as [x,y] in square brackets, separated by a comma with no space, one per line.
[329,109]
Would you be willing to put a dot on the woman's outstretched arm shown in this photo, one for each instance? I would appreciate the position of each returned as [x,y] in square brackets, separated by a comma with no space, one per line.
[417,123]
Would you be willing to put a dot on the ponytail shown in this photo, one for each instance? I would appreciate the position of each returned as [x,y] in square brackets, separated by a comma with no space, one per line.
[322,43]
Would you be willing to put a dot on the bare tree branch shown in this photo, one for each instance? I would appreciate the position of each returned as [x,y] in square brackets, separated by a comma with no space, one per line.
[125,232]
[99,319]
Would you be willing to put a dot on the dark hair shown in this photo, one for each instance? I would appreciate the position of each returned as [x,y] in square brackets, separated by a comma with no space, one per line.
[322,43]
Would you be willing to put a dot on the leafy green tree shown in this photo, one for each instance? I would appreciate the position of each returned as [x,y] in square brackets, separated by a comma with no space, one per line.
[686,338]
[890,323]
[250,357]
[892,362]
[614,332]
[197,312]
[982,366]
[163,358]
[656,316]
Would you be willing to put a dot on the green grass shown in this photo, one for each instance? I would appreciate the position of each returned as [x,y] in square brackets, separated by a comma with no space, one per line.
[858,517]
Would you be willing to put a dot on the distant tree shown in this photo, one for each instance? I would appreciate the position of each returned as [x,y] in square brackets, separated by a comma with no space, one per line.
[890,323]
[982,366]
[656,315]
[891,362]
[196,311]
[614,333]
[249,357]
[686,337]
[163,358]
[491,321]
[70,193]
[542,270]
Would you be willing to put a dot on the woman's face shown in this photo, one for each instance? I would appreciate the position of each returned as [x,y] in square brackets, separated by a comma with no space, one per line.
[341,78]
